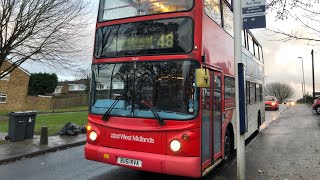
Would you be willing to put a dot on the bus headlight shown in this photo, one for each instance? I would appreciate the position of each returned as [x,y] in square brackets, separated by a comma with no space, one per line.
[175,145]
[93,136]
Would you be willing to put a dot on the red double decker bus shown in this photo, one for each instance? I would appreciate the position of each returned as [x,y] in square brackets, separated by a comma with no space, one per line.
[149,108]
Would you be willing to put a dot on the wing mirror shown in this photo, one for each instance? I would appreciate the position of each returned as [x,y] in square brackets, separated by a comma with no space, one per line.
[203,78]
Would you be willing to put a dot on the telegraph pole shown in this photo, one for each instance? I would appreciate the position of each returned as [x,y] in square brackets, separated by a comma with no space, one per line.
[304,83]
[313,85]
[248,14]
[241,169]
[302,91]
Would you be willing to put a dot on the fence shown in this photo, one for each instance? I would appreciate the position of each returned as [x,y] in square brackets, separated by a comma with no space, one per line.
[68,102]
[36,103]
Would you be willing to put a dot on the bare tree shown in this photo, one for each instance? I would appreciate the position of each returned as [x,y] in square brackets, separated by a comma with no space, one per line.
[280,90]
[40,30]
[305,12]
[84,74]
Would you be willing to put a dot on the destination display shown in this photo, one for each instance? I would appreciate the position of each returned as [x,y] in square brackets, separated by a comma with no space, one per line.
[166,36]
[145,41]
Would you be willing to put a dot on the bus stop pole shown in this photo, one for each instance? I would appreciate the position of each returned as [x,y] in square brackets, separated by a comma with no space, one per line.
[238,59]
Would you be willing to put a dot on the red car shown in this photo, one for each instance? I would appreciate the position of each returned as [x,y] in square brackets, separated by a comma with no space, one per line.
[316,105]
[271,102]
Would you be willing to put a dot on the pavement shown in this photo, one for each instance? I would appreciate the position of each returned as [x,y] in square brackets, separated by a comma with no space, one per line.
[288,149]
[12,151]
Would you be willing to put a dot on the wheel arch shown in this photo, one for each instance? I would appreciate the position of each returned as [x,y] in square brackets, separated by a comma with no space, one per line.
[259,119]
[317,108]
[230,128]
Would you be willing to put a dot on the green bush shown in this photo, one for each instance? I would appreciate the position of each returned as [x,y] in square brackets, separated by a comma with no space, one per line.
[42,83]
[308,97]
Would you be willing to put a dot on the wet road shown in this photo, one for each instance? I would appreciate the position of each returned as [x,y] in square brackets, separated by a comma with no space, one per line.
[272,115]
[289,148]
[70,164]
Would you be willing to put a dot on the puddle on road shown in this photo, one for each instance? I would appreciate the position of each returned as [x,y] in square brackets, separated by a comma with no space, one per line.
[272,116]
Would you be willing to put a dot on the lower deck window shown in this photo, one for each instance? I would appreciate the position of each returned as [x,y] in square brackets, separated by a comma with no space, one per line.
[259,94]
[252,93]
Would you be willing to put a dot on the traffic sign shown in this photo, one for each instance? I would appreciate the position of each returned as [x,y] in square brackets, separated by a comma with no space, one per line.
[250,3]
[254,22]
[253,13]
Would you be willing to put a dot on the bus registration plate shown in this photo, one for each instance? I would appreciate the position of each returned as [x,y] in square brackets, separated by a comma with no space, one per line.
[129,162]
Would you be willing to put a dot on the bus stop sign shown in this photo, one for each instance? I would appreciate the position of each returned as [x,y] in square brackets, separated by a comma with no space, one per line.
[254,14]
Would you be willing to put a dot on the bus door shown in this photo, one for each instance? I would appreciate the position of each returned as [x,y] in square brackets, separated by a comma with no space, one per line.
[211,121]
[206,126]
[217,115]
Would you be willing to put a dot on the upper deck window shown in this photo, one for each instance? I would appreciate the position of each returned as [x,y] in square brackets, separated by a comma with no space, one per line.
[227,18]
[256,49]
[212,9]
[250,44]
[261,53]
[243,38]
[119,9]
[230,2]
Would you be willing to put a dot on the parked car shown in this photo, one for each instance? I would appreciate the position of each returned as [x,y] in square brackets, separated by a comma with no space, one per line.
[316,105]
[271,102]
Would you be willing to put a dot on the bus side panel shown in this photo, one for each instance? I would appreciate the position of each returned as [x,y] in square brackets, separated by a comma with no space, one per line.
[218,46]
[253,111]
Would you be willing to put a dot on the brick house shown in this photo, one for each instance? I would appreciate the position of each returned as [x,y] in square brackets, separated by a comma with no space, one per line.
[14,93]
[72,87]
[13,88]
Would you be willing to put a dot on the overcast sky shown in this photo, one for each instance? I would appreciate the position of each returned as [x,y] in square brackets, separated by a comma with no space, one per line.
[281,58]
[84,60]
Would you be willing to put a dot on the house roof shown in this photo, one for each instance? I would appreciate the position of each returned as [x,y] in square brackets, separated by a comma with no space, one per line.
[23,70]
[81,81]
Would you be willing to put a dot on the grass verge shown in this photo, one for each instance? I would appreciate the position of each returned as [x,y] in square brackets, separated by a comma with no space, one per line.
[54,122]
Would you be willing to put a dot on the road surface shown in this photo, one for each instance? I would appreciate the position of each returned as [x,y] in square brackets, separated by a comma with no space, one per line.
[71,164]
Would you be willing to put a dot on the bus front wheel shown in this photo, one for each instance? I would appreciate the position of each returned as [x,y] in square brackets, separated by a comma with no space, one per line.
[228,147]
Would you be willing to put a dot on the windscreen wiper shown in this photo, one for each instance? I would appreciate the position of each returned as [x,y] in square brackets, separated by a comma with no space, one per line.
[107,113]
[156,115]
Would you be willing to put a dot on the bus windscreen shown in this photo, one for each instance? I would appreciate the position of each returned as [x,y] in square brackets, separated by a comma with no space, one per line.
[165,36]
[118,9]
[167,86]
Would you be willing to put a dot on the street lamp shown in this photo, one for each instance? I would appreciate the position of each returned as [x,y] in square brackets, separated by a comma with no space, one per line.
[304,83]
[266,82]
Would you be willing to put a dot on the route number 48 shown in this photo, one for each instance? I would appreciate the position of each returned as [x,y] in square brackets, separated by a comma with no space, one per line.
[166,41]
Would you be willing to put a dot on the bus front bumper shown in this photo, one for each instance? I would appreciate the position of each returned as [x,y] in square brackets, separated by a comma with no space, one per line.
[159,163]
